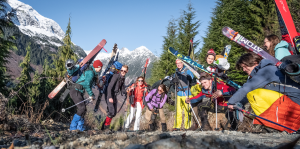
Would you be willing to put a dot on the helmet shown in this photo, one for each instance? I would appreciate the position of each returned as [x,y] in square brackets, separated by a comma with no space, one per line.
[70,64]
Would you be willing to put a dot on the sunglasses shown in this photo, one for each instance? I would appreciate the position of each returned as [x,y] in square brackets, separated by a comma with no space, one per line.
[124,71]
[140,80]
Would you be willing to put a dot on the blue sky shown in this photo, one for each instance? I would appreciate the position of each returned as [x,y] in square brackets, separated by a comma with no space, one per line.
[129,23]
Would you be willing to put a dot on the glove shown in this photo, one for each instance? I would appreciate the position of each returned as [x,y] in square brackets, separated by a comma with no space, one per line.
[239,114]
[92,98]
[222,63]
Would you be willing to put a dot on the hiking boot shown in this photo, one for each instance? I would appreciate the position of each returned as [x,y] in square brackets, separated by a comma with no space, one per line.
[164,127]
[106,129]
[152,127]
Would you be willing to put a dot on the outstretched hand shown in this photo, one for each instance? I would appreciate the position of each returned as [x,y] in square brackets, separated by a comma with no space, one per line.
[230,107]
[216,94]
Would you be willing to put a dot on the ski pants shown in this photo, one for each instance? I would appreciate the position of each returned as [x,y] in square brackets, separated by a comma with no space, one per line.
[111,107]
[182,106]
[161,116]
[134,111]
[77,96]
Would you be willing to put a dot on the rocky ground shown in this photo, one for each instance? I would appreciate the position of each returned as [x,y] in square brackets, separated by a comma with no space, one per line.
[139,140]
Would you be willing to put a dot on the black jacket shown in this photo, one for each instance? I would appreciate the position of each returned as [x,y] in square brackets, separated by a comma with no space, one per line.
[115,85]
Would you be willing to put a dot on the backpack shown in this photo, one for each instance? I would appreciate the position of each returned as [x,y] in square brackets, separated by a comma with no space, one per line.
[291,67]
[75,76]
[114,69]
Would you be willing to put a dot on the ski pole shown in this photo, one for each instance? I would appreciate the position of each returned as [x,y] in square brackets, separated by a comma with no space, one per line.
[64,110]
[216,104]
[196,117]
[195,114]
[187,96]
[263,118]
[175,103]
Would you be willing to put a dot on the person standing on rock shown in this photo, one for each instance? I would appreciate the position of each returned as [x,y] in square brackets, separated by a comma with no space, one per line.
[271,93]
[184,76]
[204,100]
[137,92]
[84,83]
[115,85]
[155,101]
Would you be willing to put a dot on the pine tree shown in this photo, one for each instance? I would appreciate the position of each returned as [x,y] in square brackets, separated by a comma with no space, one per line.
[24,79]
[167,60]
[5,45]
[57,71]
[178,37]
[234,14]
[65,52]
[187,30]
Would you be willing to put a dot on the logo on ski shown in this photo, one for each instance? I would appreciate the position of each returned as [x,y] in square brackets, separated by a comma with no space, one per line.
[282,5]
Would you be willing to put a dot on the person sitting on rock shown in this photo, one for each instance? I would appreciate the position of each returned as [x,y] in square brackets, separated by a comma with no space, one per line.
[137,92]
[155,101]
[115,86]
[270,92]
[204,101]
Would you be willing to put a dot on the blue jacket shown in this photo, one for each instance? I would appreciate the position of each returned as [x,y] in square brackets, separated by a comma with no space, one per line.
[267,75]
[182,75]
[281,50]
[86,79]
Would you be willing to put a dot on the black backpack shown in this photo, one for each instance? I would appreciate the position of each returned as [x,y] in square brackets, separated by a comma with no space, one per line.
[291,66]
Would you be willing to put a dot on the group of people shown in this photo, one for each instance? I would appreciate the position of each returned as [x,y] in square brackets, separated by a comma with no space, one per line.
[213,96]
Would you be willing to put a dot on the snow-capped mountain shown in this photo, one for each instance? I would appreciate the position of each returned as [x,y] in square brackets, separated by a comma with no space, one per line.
[43,34]
[135,60]
[31,23]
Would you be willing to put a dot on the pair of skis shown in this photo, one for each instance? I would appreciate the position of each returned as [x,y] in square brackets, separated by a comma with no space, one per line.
[87,60]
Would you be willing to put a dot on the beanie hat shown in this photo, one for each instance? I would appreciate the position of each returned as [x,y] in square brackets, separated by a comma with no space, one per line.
[97,63]
[178,60]
[211,52]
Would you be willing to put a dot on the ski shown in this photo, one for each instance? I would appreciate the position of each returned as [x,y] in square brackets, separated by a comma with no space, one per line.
[191,69]
[226,51]
[145,68]
[113,58]
[88,59]
[191,49]
[287,26]
[193,63]
[239,39]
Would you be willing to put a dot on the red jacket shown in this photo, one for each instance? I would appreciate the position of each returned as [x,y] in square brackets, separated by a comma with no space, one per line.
[138,94]
[225,89]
